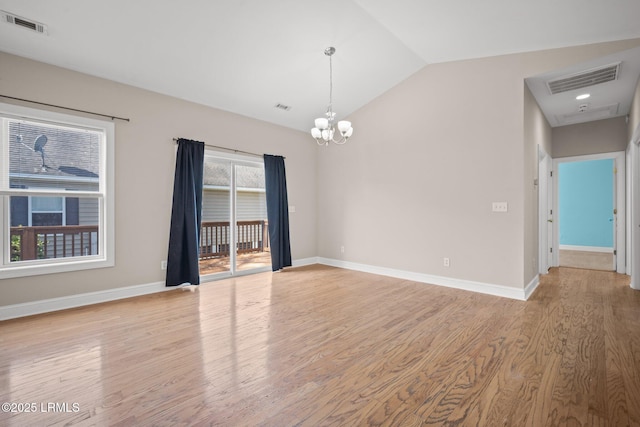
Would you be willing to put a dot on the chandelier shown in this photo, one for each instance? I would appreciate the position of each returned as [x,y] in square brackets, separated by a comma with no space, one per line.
[324,131]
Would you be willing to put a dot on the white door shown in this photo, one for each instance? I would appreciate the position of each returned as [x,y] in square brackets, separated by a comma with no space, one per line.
[545,228]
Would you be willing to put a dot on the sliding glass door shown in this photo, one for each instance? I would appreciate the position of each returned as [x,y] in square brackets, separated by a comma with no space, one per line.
[234,236]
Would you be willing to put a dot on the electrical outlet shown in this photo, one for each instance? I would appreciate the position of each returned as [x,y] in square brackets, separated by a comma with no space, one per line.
[163,265]
[341,249]
[446,262]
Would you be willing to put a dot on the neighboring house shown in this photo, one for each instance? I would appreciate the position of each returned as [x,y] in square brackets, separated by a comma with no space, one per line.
[250,198]
[48,157]
[251,209]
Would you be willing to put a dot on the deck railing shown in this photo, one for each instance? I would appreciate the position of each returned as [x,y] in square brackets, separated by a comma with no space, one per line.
[44,242]
[215,238]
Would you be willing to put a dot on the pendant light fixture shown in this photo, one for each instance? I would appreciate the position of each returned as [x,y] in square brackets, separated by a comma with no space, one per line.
[324,131]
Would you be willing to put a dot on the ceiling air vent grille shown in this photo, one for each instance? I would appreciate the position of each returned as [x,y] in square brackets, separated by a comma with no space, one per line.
[29,24]
[283,107]
[584,79]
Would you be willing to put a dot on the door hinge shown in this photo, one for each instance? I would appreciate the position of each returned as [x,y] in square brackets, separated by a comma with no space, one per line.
[615,211]
[551,174]
[551,250]
[615,252]
[550,211]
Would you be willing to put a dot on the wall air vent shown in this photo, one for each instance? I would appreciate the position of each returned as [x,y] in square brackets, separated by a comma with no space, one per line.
[19,21]
[584,79]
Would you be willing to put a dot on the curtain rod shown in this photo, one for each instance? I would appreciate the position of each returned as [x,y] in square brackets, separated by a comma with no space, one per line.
[228,149]
[66,108]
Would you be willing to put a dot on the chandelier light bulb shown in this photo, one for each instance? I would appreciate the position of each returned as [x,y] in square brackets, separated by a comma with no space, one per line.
[344,126]
[322,124]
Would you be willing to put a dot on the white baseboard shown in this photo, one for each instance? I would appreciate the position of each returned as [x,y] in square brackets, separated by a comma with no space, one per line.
[54,304]
[467,285]
[305,261]
[61,303]
[531,287]
[586,248]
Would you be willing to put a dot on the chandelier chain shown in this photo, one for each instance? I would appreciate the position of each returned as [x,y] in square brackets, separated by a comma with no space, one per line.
[330,84]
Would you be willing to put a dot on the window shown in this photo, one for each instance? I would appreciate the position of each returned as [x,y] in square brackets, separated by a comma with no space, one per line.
[56,192]
[47,211]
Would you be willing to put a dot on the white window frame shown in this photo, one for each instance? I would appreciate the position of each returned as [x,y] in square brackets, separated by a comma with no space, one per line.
[105,196]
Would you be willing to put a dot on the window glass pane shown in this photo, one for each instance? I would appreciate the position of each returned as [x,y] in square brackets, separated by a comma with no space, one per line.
[53,157]
[251,217]
[48,237]
[46,219]
[46,204]
[215,234]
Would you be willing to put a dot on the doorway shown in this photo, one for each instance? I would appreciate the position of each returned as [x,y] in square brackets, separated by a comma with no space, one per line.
[589,230]
[234,235]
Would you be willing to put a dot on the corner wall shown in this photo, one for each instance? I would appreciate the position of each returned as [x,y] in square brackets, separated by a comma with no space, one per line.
[634,114]
[416,182]
[601,136]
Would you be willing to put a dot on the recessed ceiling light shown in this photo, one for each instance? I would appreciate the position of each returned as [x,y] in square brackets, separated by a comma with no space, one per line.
[583,96]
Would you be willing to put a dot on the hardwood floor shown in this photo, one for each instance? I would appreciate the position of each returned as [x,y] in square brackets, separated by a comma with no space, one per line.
[323,346]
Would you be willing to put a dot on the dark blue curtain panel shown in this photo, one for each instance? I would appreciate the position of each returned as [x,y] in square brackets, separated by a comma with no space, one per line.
[277,211]
[186,215]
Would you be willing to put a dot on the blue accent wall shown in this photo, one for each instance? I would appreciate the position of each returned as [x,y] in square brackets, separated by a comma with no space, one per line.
[586,203]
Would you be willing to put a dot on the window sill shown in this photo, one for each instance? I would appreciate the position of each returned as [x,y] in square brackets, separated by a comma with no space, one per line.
[32,269]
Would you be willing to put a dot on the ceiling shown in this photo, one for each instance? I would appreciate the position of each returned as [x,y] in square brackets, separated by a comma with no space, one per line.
[246,56]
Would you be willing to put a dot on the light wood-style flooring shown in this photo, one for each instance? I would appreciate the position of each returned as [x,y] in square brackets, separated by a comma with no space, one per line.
[317,345]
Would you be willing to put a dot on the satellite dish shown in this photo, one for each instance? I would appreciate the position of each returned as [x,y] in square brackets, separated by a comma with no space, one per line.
[39,143]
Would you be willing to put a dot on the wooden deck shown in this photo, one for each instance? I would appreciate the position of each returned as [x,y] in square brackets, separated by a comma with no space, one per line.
[245,261]
[324,346]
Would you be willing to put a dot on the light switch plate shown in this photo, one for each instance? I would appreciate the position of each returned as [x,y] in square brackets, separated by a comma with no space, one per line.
[500,207]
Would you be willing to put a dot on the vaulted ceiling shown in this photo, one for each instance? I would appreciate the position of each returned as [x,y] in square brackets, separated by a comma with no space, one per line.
[247,56]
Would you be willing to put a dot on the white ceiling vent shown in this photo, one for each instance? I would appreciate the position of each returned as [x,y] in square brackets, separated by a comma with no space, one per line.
[283,107]
[19,21]
[584,79]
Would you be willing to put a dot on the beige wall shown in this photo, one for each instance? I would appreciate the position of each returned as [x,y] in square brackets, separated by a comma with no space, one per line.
[601,136]
[537,134]
[145,161]
[416,182]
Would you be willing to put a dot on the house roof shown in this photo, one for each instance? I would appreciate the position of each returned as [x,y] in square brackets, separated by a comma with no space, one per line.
[39,150]
[218,173]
